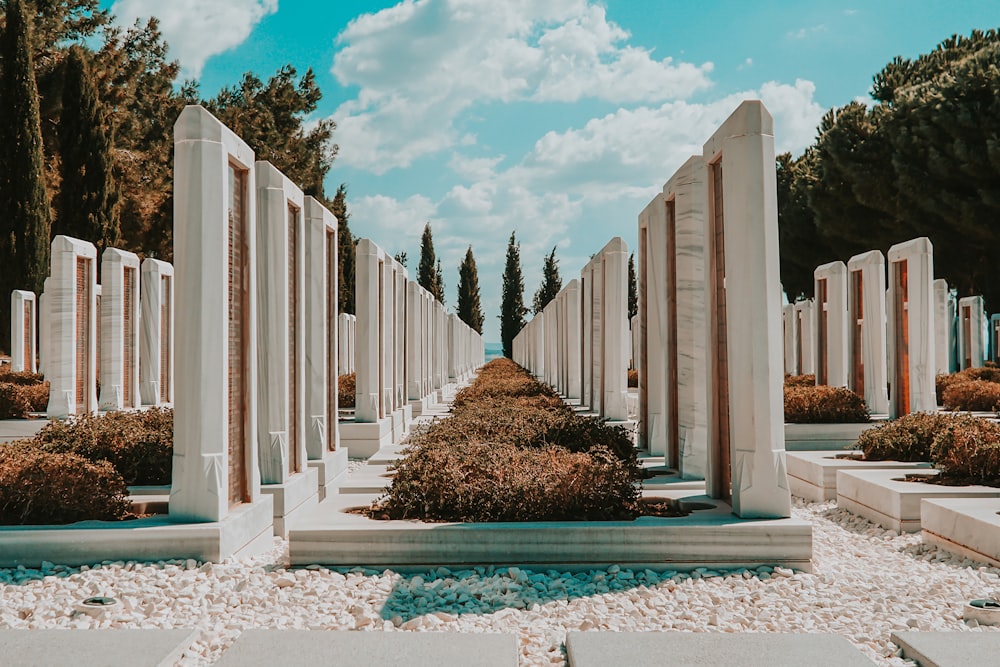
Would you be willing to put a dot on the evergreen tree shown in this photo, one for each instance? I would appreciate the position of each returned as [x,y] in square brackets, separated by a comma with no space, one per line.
[400,257]
[633,289]
[428,271]
[439,277]
[470,309]
[802,247]
[88,197]
[24,206]
[512,310]
[551,283]
[346,252]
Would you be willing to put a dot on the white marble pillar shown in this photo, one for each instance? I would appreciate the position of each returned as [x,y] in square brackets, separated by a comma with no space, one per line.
[652,327]
[742,261]
[72,367]
[972,330]
[215,473]
[120,330]
[866,344]
[156,345]
[805,352]
[945,309]
[613,327]
[573,327]
[22,331]
[830,324]
[587,338]
[910,327]
[788,330]
[371,338]
[994,338]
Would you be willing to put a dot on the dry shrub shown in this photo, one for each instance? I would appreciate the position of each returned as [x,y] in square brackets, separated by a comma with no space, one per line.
[908,438]
[800,380]
[13,401]
[633,378]
[987,374]
[346,390]
[971,395]
[38,487]
[22,378]
[967,451]
[138,444]
[37,396]
[823,405]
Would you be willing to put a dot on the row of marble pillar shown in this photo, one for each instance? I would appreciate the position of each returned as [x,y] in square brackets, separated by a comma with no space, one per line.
[347,327]
[883,327]
[80,334]
[579,343]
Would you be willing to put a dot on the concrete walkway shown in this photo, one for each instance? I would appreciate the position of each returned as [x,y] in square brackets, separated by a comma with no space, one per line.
[16,429]
[107,648]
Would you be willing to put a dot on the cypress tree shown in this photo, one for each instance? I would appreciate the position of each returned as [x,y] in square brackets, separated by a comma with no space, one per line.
[512,310]
[24,206]
[429,271]
[633,291]
[439,281]
[470,309]
[345,250]
[88,197]
[551,283]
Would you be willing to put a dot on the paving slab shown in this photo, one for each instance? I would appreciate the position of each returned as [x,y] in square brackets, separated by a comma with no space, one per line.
[969,527]
[16,429]
[813,474]
[107,648]
[323,648]
[710,649]
[949,649]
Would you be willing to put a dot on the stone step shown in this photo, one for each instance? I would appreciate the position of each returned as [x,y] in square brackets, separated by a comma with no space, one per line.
[109,648]
[948,649]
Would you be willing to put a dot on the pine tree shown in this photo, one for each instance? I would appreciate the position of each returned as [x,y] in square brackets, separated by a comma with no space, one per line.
[24,206]
[88,198]
[428,271]
[633,290]
[470,309]
[439,279]
[346,252]
[512,310]
[551,283]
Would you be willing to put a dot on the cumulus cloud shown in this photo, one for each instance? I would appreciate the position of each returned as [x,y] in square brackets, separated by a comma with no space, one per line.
[421,63]
[197,30]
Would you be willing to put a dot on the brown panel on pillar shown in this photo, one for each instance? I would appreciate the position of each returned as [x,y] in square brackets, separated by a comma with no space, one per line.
[673,412]
[128,324]
[293,348]
[165,329]
[642,363]
[331,349]
[857,314]
[902,343]
[82,352]
[239,333]
[823,337]
[721,472]
[966,337]
[29,340]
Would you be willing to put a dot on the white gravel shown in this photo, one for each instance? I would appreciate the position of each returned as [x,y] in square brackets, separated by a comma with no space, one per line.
[867,582]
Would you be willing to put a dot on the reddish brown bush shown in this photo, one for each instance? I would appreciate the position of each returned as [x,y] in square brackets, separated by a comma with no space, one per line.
[14,402]
[971,395]
[22,378]
[346,388]
[37,396]
[138,444]
[967,451]
[987,374]
[823,405]
[908,438]
[37,487]
[800,380]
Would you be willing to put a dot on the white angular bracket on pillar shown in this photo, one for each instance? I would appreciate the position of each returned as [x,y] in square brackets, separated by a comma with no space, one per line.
[72,366]
[156,348]
[745,313]
[910,327]
[866,345]
[830,324]
[972,332]
[23,331]
[215,473]
[120,330]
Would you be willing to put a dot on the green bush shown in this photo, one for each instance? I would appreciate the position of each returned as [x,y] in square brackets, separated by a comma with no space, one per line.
[806,404]
[38,487]
[138,444]
[908,438]
[967,451]
[346,388]
[14,402]
[971,395]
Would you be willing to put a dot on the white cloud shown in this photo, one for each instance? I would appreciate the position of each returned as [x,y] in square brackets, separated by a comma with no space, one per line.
[196,30]
[745,64]
[421,63]
[802,33]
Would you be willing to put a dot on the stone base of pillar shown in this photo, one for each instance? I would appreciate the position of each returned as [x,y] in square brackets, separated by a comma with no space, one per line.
[291,498]
[419,406]
[332,469]
[362,439]
[401,419]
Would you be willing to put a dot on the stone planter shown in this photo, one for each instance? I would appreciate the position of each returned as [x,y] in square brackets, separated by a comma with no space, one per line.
[808,437]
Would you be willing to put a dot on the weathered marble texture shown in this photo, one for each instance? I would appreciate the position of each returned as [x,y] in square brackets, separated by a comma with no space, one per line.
[790,340]
[651,283]
[322,335]
[23,325]
[805,352]
[834,338]
[745,146]
[204,150]
[873,343]
[417,334]
[65,397]
[918,255]
[400,278]
[44,317]
[972,332]
[156,345]
[945,325]
[371,338]
[609,330]
[120,331]
[572,313]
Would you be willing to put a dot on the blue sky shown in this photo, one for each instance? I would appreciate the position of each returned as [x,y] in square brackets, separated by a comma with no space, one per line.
[559,119]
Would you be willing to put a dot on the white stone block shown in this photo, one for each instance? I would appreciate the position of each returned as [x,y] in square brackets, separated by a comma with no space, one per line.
[972,330]
[156,349]
[910,328]
[866,344]
[23,331]
[120,330]
[830,325]
[72,367]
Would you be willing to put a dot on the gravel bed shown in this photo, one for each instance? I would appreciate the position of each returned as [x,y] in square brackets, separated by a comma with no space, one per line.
[867,582]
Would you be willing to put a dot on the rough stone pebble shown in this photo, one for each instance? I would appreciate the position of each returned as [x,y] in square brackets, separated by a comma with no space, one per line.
[866,583]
